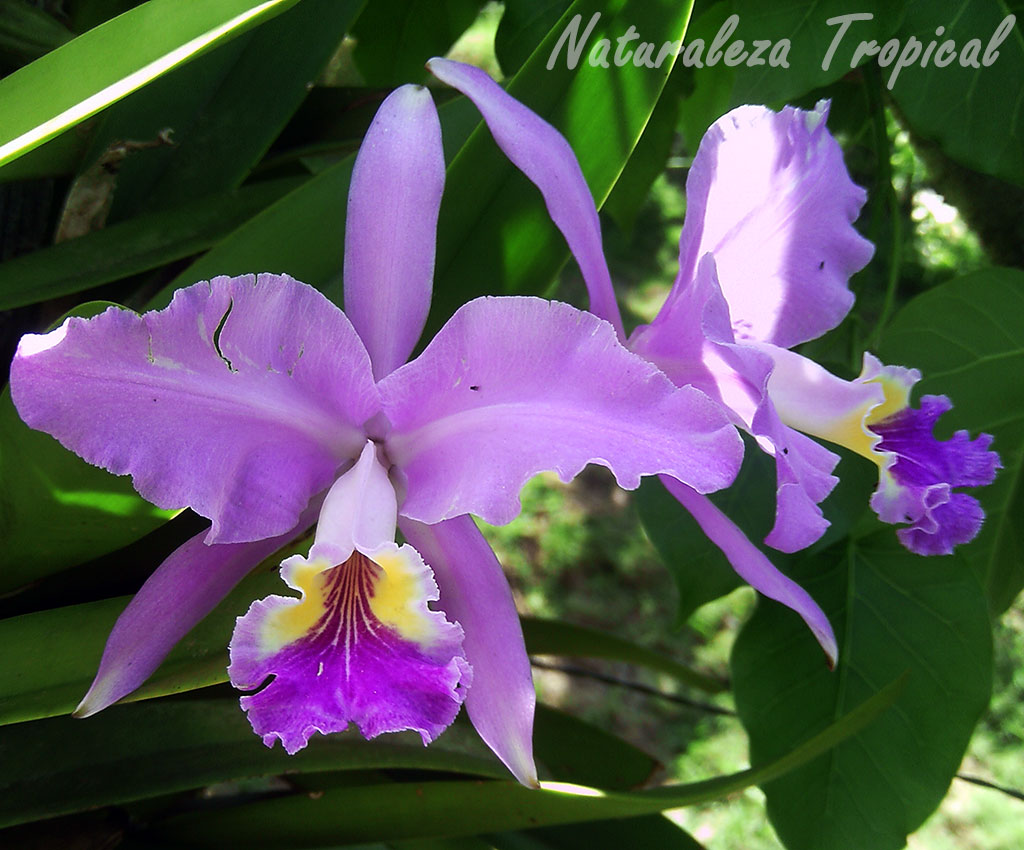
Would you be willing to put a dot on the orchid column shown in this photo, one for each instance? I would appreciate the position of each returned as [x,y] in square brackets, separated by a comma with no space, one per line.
[258,403]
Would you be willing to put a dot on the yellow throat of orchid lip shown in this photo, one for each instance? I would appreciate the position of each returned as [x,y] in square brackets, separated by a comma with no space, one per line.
[852,432]
[391,582]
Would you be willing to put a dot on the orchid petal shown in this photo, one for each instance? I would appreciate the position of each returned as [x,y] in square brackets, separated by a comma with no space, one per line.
[693,343]
[240,399]
[391,226]
[361,646]
[768,194]
[183,590]
[752,565]
[545,157]
[513,386]
[475,592]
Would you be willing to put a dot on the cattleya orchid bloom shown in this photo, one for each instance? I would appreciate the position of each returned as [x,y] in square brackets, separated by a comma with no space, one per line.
[261,405]
[766,253]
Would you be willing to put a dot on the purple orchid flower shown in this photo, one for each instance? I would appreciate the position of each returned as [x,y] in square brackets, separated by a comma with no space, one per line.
[766,253]
[261,405]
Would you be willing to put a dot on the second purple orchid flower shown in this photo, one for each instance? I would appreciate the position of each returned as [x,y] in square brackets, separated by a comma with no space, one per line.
[261,405]
[766,254]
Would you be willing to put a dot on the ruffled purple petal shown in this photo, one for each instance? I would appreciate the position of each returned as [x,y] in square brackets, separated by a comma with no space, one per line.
[545,157]
[920,473]
[240,399]
[753,567]
[361,646]
[475,593]
[391,226]
[513,386]
[183,590]
[768,194]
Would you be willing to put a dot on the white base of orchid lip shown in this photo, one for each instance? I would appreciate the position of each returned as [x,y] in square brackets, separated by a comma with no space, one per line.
[361,646]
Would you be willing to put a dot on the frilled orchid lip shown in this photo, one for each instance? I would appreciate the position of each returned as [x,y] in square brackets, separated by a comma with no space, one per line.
[360,646]
[920,473]
[872,415]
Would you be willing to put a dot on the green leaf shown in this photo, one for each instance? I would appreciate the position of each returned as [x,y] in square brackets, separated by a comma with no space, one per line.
[572,750]
[894,613]
[105,64]
[424,810]
[136,752]
[976,114]
[225,109]
[523,25]
[395,38]
[649,831]
[803,25]
[27,33]
[133,246]
[50,657]
[551,637]
[56,510]
[967,337]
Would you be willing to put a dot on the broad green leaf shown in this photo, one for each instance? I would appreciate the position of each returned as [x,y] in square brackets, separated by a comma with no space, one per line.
[225,109]
[967,337]
[395,38]
[56,510]
[975,113]
[423,810]
[136,752]
[133,246]
[552,637]
[649,831]
[894,613]
[96,69]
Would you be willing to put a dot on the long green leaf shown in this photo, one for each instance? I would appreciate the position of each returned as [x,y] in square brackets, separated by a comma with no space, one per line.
[414,809]
[133,246]
[552,637]
[96,69]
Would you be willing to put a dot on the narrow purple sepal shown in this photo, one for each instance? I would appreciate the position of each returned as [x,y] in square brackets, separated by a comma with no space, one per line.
[917,482]
[769,195]
[753,567]
[513,386]
[240,399]
[475,592]
[391,226]
[545,157]
[181,592]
